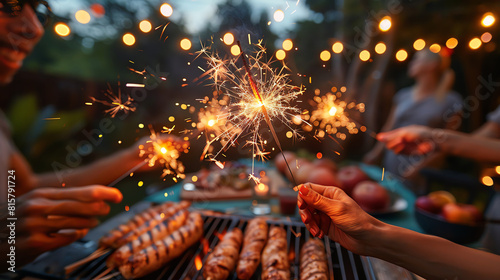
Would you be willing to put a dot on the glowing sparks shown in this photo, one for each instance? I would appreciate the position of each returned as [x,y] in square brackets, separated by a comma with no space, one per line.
[116,102]
[329,114]
[242,104]
[163,151]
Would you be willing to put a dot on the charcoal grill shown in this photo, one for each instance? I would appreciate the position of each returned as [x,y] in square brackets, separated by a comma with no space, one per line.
[342,263]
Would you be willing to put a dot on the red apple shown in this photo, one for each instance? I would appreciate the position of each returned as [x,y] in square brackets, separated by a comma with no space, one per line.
[474,211]
[323,176]
[302,173]
[427,204]
[350,176]
[456,213]
[326,162]
[280,163]
[371,196]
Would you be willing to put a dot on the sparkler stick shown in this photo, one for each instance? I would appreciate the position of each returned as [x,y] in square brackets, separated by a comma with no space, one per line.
[264,111]
[126,174]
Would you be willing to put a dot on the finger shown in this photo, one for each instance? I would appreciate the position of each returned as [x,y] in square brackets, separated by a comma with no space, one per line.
[306,214]
[313,227]
[40,223]
[324,224]
[84,194]
[318,201]
[301,203]
[45,207]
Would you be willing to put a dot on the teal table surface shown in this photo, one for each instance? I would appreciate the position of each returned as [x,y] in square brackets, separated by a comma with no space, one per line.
[404,218]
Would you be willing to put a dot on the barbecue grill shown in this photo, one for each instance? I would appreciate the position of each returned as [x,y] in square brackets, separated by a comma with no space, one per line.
[342,263]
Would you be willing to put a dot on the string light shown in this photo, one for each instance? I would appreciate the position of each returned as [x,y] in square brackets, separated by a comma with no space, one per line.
[488,20]
[451,43]
[380,48]
[419,44]
[401,55]
[280,54]
[166,10]
[185,44]
[475,43]
[62,29]
[82,17]
[128,39]
[228,38]
[145,26]
[337,47]
[486,37]
[364,55]
[385,24]
[325,55]
[435,48]
[287,45]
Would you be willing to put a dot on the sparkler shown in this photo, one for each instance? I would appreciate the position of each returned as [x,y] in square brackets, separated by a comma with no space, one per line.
[165,152]
[332,113]
[250,101]
[115,102]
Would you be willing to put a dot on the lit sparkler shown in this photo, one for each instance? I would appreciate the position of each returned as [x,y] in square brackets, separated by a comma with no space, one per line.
[331,113]
[165,152]
[255,93]
[115,102]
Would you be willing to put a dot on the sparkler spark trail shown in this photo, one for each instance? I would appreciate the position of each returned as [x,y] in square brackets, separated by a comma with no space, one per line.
[330,113]
[251,99]
[115,102]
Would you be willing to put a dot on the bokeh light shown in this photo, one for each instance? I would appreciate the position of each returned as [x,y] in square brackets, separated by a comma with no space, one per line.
[185,44]
[364,55]
[279,16]
[487,180]
[228,38]
[337,47]
[385,24]
[82,16]
[475,43]
[488,20]
[287,45]
[435,48]
[380,48]
[325,55]
[97,10]
[235,50]
[145,26]
[451,43]
[401,55]
[128,39]
[419,44]
[280,54]
[166,10]
[486,37]
[62,29]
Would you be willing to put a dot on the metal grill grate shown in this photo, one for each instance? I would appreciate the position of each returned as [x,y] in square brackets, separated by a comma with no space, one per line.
[342,264]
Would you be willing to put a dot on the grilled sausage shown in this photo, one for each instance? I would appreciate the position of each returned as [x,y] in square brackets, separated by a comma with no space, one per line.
[224,256]
[253,243]
[275,263]
[313,261]
[160,231]
[108,240]
[159,217]
[162,251]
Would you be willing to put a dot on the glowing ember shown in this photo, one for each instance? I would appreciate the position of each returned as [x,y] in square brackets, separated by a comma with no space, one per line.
[197,262]
[165,152]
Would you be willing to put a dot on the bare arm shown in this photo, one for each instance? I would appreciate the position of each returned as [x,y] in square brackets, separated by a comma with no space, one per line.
[339,217]
[489,130]
[421,139]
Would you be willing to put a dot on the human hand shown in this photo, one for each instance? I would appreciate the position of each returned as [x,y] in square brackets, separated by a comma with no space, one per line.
[330,211]
[414,139]
[49,218]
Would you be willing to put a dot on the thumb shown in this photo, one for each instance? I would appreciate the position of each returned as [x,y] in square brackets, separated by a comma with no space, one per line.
[316,200]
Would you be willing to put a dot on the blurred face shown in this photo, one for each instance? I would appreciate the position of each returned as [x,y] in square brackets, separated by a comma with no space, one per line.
[19,34]
[422,63]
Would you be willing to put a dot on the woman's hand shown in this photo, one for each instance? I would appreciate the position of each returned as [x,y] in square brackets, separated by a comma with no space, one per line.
[414,139]
[330,211]
[49,218]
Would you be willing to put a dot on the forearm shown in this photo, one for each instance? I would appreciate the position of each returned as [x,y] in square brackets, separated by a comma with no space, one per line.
[432,257]
[102,172]
[477,148]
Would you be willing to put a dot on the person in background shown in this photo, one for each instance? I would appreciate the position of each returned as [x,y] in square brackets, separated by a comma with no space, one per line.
[429,102]
[51,211]
[329,211]
[482,145]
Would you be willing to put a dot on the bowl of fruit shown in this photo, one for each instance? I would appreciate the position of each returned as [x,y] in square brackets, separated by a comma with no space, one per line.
[439,214]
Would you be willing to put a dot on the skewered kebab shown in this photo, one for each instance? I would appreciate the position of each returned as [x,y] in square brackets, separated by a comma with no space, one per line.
[224,256]
[160,231]
[254,241]
[164,250]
